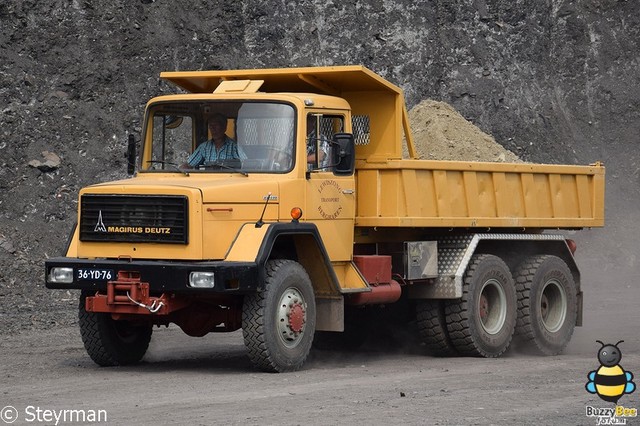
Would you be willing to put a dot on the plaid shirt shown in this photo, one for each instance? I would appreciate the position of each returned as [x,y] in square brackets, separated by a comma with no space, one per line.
[311,149]
[207,152]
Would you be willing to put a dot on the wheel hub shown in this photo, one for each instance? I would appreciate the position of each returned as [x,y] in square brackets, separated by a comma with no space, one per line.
[296,318]
[292,316]
[484,308]
[492,307]
[544,306]
[553,306]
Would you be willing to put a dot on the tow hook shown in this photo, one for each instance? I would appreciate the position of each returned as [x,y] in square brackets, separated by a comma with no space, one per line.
[153,308]
[128,295]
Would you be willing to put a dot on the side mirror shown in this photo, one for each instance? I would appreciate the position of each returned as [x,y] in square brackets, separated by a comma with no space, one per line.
[172,121]
[344,154]
[131,155]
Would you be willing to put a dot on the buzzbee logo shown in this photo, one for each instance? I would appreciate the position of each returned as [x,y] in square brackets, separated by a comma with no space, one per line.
[610,382]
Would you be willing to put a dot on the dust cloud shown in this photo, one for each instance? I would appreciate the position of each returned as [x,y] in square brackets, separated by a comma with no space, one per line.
[608,259]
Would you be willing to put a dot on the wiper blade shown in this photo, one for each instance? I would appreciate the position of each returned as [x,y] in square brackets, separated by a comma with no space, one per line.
[233,169]
[168,163]
[226,167]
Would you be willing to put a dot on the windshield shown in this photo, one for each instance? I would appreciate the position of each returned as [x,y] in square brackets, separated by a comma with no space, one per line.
[220,137]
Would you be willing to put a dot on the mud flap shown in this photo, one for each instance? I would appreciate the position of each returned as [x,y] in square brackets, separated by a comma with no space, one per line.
[579,315]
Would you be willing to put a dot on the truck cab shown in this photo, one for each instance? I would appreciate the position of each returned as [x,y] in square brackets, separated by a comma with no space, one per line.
[275,168]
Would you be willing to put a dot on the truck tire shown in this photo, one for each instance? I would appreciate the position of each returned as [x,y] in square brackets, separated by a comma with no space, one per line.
[482,322]
[547,303]
[109,342]
[278,323]
[432,327]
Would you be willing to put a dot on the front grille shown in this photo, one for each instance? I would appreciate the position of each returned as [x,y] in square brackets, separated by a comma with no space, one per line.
[134,218]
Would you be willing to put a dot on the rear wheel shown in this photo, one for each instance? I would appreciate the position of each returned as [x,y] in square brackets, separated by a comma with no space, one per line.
[109,342]
[278,323]
[482,322]
[432,327]
[547,303]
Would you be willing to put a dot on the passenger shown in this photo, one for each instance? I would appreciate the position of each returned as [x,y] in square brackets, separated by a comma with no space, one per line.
[220,147]
[312,143]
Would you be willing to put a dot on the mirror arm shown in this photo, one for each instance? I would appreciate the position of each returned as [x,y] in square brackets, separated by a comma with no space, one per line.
[131,155]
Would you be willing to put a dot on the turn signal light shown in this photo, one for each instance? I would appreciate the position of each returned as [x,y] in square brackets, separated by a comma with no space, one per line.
[296,213]
[572,246]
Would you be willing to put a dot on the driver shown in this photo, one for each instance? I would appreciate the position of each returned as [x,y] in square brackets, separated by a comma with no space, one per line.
[219,147]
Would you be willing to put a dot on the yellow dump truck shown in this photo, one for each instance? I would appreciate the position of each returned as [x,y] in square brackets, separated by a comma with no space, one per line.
[277,201]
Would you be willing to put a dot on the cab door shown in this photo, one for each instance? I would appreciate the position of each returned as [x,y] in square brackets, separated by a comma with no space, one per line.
[330,198]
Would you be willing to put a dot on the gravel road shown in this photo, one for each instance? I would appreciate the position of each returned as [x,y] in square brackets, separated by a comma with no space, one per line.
[211,381]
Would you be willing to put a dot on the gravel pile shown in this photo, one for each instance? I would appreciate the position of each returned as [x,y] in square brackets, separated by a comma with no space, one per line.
[442,133]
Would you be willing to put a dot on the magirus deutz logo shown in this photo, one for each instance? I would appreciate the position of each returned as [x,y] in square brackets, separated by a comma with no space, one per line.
[100,227]
[610,382]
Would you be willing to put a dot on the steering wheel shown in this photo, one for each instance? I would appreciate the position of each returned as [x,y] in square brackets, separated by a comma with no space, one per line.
[279,157]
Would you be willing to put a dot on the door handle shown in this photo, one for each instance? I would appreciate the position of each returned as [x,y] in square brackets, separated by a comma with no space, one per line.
[348,191]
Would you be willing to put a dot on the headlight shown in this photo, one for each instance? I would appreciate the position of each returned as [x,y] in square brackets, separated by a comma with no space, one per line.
[60,275]
[201,279]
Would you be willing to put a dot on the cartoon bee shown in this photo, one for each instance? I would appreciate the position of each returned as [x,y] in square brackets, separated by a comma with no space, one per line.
[610,381]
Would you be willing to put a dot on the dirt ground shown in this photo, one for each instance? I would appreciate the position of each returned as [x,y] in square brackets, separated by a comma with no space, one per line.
[210,380]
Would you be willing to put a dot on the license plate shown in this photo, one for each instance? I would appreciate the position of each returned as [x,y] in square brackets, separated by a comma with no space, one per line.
[95,274]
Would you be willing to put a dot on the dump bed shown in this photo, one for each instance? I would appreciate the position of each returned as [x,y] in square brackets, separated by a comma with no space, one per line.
[416,193]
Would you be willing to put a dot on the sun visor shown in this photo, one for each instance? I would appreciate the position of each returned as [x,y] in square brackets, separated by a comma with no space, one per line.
[239,86]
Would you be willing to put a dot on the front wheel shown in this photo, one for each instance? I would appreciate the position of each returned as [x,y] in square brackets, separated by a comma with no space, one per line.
[483,321]
[278,323]
[109,342]
[547,305]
